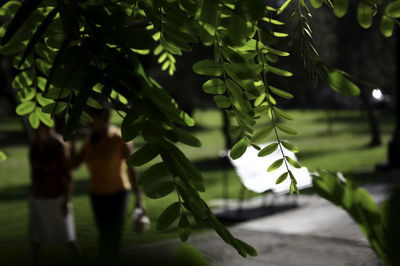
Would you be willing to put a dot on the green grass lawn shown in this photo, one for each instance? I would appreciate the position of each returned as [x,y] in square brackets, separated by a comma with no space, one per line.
[343,149]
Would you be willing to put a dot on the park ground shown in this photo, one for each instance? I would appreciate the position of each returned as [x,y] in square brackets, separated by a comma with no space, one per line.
[337,144]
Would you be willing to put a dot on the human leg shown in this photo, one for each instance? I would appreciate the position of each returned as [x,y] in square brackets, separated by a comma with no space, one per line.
[109,212]
[36,250]
[75,248]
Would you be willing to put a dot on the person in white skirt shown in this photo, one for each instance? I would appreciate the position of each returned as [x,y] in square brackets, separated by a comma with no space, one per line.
[51,218]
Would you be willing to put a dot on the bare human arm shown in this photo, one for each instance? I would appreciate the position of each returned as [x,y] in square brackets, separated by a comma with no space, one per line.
[66,177]
[76,157]
[133,176]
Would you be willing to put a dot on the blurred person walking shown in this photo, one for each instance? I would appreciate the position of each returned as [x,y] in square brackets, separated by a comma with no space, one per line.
[111,181]
[51,218]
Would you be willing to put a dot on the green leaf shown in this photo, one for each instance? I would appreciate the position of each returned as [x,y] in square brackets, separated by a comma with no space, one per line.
[272,58]
[250,89]
[168,216]
[85,117]
[275,165]
[44,118]
[26,94]
[156,172]
[273,21]
[214,86]
[292,178]
[291,188]
[208,16]
[262,134]
[131,126]
[251,9]
[275,51]
[289,146]
[158,189]
[296,189]
[282,113]
[222,101]
[241,71]
[316,3]
[284,6]
[268,150]
[207,67]
[9,7]
[238,98]
[225,234]
[25,108]
[293,162]
[186,138]
[145,154]
[249,249]
[43,67]
[34,120]
[3,156]
[286,129]
[239,29]
[98,87]
[185,163]
[364,15]
[184,228]
[281,178]
[278,71]
[23,80]
[72,69]
[386,26]
[238,149]
[179,40]
[26,9]
[262,109]
[41,100]
[54,108]
[340,7]
[170,47]
[393,9]
[38,34]
[93,103]
[339,83]
[78,105]
[279,34]
[280,93]
[192,203]
[12,48]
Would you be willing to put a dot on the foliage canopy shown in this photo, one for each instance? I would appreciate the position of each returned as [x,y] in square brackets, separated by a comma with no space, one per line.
[67,52]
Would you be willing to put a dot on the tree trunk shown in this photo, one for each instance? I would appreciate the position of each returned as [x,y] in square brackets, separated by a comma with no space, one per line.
[394,144]
[373,122]
[225,130]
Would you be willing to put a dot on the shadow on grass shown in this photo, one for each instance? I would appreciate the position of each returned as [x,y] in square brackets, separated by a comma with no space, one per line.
[351,117]
[81,187]
[310,154]
[213,164]
[10,193]
[13,138]
[238,215]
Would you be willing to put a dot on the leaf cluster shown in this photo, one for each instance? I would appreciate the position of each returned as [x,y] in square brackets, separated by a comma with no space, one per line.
[69,53]
[377,223]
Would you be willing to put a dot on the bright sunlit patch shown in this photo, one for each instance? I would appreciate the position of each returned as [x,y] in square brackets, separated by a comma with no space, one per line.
[253,171]
[377,94]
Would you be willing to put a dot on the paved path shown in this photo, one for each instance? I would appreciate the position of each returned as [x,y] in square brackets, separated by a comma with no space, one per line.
[316,233]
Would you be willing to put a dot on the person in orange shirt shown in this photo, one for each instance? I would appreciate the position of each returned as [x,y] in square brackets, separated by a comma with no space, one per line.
[105,155]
